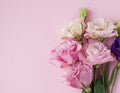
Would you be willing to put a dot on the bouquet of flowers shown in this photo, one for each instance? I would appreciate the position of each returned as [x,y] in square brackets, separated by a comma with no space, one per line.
[86,52]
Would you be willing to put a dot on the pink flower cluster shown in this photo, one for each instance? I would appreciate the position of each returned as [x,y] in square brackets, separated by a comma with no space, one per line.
[84,45]
[78,60]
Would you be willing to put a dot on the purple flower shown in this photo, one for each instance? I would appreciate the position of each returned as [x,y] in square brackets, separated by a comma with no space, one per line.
[115,48]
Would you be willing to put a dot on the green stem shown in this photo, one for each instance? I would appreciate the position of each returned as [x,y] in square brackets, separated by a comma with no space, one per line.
[107,71]
[95,74]
[116,73]
[103,75]
[106,75]
[108,83]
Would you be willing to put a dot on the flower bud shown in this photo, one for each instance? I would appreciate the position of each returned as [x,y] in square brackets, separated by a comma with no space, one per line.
[84,13]
[118,28]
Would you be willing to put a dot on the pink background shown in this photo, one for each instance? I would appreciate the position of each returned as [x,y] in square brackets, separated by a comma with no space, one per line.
[29,30]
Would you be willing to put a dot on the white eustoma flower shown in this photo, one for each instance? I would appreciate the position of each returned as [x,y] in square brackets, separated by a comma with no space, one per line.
[101,28]
[74,29]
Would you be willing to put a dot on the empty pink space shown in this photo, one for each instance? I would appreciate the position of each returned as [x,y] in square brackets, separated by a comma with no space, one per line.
[29,29]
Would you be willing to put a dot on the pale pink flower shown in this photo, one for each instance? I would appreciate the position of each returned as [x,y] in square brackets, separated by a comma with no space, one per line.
[79,75]
[96,53]
[100,28]
[66,53]
[74,29]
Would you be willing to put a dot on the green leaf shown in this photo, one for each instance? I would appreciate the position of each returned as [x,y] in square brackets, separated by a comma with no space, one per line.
[99,87]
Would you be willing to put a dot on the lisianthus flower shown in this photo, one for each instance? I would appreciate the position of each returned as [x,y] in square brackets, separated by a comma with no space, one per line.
[74,29]
[66,53]
[115,48]
[100,28]
[79,75]
[97,53]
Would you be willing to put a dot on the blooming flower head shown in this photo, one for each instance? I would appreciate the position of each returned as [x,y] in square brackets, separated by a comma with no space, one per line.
[115,48]
[66,53]
[74,29]
[97,53]
[100,28]
[79,75]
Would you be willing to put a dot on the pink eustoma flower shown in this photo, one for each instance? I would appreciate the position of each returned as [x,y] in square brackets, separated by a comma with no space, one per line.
[79,75]
[66,53]
[100,28]
[97,53]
